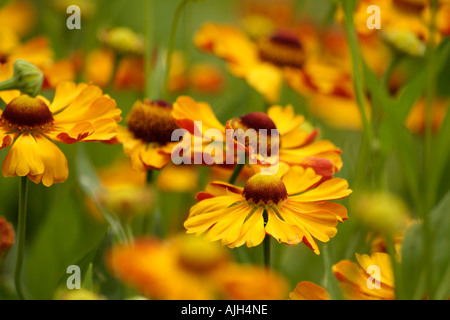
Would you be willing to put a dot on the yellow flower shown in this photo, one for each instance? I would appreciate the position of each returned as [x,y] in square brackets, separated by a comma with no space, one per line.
[354,279]
[18,16]
[7,236]
[298,145]
[185,267]
[250,282]
[78,112]
[404,23]
[296,205]
[306,290]
[147,138]
[383,212]
[123,191]
[178,179]
[261,64]
[38,52]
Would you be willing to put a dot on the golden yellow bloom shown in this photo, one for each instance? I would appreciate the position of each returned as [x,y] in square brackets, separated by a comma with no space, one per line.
[78,112]
[260,63]
[185,267]
[250,282]
[38,52]
[7,236]
[306,290]
[147,138]
[123,191]
[296,205]
[99,66]
[206,78]
[354,278]
[404,23]
[18,16]
[297,146]
[178,179]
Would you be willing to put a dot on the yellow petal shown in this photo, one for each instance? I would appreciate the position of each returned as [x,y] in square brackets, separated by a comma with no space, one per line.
[23,158]
[306,290]
[56,168]
[332,189]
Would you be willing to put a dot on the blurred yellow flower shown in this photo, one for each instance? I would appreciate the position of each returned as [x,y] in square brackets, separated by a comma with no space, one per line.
[296,205]
[383,212]
[360,281]
[306,290]
[18,16]
[124,192]
[184,267]
[178,179]
[78,112]
[260,63]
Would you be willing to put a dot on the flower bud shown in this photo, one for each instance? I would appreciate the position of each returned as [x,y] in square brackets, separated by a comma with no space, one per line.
[123,40]
[27,78]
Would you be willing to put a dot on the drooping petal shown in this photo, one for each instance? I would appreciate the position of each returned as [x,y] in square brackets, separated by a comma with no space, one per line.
[23,158]
[252,231]
[55,163]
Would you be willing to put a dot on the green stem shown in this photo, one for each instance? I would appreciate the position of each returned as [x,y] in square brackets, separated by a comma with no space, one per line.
[22,220]
[170,48]
[237,170]
[427,160]
[358,80]
[148,10]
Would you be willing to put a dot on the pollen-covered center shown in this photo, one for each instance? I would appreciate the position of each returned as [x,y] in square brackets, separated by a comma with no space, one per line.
[282,49]
[27,112]
[265,189]
[151,121]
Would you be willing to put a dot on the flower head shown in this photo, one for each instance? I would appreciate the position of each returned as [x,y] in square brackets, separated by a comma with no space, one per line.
[354,278]
[296,206]
[187,267]
[306,290]
[147,137]
[296,144]
[77,113]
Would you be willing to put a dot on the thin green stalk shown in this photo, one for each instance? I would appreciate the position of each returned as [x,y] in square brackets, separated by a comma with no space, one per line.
[149,39]
[358,79]
[171,45]
[22,220]
[427,160]
[237,170]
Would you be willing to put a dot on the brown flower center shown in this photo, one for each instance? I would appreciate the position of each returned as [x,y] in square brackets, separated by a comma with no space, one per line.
[151,121]
[414,6]
[265,189]
[282,49]
[27,113]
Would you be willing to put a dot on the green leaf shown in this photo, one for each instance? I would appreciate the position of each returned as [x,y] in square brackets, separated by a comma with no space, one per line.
[413,264]
[91,185]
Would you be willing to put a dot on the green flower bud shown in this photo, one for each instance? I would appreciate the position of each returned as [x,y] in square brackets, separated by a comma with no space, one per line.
[27,78]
